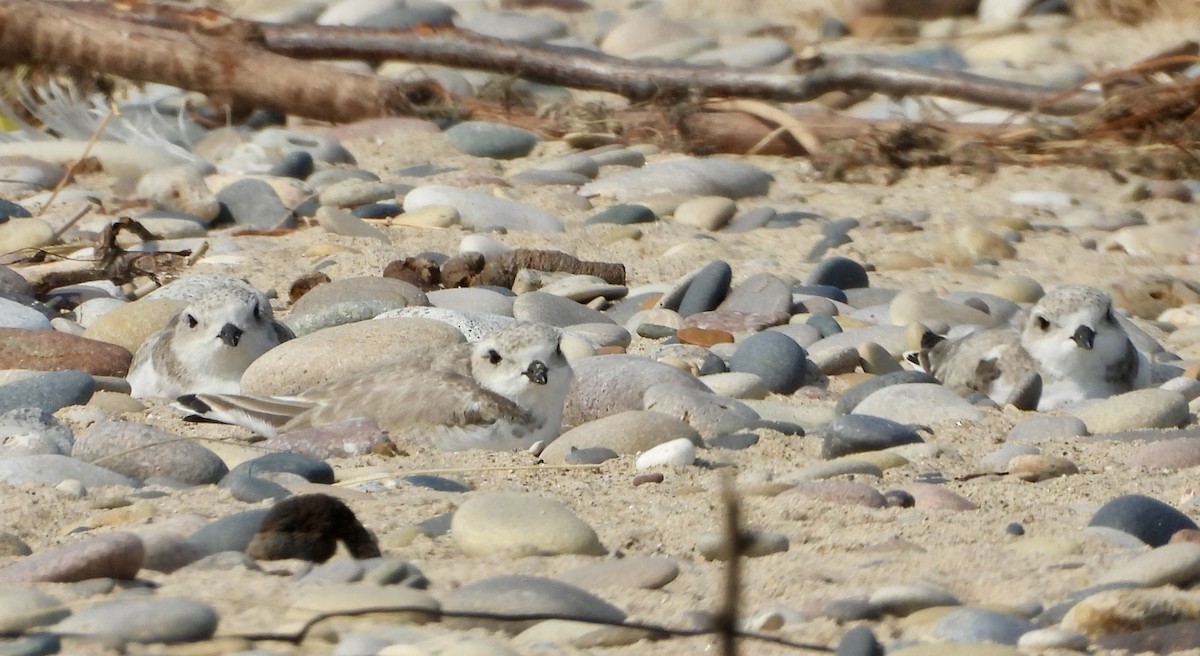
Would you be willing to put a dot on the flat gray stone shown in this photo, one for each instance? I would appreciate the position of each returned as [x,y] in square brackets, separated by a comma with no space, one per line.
[527,595]
[495,140]
[54,469]
[144,621]
[481,211]
[554,310]
[709,414]
[689,177]
[140,452]
[918,403]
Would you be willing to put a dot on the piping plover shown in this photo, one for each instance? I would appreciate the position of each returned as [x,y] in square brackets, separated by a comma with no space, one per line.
[504,392]
[1071,339]
[207,346]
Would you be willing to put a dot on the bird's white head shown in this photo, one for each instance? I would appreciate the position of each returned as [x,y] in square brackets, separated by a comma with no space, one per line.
[1072,329]
[228,323]
[523,362]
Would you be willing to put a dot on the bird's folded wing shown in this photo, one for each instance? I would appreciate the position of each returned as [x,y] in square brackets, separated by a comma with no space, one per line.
[409,403]
[264,415]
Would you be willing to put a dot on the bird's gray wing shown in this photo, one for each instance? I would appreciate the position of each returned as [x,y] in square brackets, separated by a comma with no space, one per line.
[409,403]
[1123,373]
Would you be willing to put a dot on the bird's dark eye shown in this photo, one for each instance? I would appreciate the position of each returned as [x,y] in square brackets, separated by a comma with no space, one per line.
[1043,323]
[494,357]
[257,312]
[191,321]
[1109,316]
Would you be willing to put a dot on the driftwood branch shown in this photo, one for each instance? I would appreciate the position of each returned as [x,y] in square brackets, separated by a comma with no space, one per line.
[585,69]
[225,62]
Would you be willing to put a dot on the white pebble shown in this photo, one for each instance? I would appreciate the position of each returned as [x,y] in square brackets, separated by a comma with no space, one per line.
[485,246]
[676,452]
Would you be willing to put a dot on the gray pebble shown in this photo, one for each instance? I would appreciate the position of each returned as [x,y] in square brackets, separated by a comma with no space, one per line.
[140,451]
[1046,428]
[1143,517]
[859,433]
[623,214]
[851,398]
[473,299]
[54,469]
[689,177]
[144,621]
[483,212]
[514,26]
[254,204]
[707,289]
[709,414]
[321,148]
[755,544]
[554,310]
[906,599]
[30,431]
[976,625]
[533,595]
[230,533]
[763,292]
[774,357]
[494,140]
[49,392]
[840,272]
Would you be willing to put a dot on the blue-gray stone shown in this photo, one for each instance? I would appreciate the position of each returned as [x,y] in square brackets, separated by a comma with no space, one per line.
[322,149]
[852,609]
[791,219]
[50,391]
[824,291]
[436,526]
[336,315]
[623,214]
[11,210]
[860,641]
[311,469]
[514,26]
[839,227]
[414,15]
[377,210]
[140,451]
[54,469]
[855,395]
[37,644]
[691,177]
[231,533]
[294,164]
[589,455]
[254,204]
[31,431]
[840,272]
[849,434]
[244,487]
[144,621]
[707,289]
[1143,517]
[832,28]
[774,357]
[762,292]
[517,595]
[750,220]
[438,483]
[495,140]
[825,324]
[973,626]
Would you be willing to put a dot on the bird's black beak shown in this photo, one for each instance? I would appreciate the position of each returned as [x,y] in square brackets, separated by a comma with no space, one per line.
[1085,337]
[230,334]
[537,372]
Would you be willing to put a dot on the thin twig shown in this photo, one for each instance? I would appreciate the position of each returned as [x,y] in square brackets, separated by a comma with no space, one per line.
[61,230]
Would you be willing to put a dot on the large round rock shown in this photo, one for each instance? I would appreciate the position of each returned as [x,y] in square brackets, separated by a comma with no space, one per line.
[840,272]
[1145,518]
[774,357]
[519,525]
[140,452]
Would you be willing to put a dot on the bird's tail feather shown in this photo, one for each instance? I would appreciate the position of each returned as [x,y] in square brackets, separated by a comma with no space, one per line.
[264,415]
